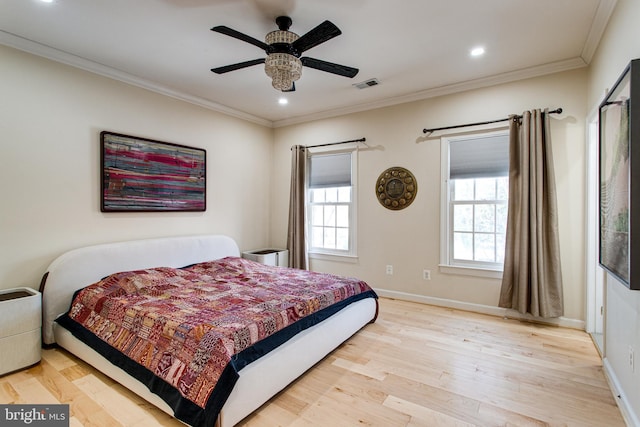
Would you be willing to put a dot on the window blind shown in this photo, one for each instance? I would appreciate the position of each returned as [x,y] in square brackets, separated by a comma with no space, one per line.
[330,170]
[479,157]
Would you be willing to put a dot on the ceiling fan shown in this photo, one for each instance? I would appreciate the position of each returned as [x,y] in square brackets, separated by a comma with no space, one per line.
[284,48]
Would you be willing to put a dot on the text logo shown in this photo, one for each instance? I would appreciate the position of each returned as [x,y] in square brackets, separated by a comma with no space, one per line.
[34,415]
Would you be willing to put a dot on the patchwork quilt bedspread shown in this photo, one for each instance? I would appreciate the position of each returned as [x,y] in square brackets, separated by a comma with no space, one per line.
[186,332]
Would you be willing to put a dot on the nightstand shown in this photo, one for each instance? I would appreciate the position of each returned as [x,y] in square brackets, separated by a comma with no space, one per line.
[20,328]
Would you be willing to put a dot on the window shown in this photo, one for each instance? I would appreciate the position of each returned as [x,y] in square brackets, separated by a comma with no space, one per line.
[331,206]
[475,189]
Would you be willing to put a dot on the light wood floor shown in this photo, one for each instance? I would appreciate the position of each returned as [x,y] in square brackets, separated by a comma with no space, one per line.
[418,365]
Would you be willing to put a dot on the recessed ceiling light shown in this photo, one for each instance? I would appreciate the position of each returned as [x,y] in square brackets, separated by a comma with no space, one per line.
[283,101]
[477,51]
[46,1]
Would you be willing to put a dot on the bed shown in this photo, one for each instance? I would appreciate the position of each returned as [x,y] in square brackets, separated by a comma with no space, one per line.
[258,379]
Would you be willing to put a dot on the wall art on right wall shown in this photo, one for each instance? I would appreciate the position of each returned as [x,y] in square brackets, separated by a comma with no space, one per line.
[620,178]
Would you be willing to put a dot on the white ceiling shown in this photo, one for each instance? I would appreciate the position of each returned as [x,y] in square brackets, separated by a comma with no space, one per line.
[415,48]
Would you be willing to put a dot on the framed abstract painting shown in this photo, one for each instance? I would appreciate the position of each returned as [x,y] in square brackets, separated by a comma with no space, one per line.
[144,175]
[620,178]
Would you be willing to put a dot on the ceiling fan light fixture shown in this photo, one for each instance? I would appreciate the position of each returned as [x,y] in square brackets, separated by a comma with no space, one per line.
[284,69]
[280,36]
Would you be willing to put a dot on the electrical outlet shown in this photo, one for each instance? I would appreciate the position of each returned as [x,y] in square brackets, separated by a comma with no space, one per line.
[632,359]
[390,269]
[426,274]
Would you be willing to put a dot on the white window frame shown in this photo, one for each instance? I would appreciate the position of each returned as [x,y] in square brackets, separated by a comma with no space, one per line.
[350,255]
[447,265]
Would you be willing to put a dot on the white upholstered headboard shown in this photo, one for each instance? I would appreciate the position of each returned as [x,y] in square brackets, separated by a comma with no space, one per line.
[81,267]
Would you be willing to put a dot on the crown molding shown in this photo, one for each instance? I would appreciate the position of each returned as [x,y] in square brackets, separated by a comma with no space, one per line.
[66,58]
[598,26]
[601,18]
[527,73]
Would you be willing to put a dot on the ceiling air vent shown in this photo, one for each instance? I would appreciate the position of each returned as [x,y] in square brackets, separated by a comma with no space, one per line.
[367,83]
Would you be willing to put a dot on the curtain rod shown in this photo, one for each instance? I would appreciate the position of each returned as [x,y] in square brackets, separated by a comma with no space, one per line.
[336,143]
[556,111]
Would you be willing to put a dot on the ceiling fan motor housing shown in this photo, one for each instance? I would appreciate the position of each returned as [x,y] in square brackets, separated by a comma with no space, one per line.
[281,41]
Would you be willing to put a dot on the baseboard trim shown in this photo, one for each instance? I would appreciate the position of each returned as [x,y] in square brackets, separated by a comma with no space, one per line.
[626,409]
[481,308]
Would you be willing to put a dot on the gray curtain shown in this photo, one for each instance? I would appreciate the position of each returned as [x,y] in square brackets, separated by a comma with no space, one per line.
[296,236]
[532,279]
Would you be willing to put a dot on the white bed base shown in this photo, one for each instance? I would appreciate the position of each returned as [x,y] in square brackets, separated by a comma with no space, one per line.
[258,381]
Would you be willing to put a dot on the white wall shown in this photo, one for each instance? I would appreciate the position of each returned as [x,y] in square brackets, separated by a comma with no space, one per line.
[51,116]
[410,239]
[620,44]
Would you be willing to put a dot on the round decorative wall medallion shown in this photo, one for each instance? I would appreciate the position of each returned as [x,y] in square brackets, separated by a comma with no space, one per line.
[396,188]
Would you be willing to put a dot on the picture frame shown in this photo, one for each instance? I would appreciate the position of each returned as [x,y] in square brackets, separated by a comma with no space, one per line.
[619,178]
[145,175]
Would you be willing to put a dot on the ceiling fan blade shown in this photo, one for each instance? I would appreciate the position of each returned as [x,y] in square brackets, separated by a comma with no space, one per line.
[240,36]
[329,67]
[233,67]
[320,34]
